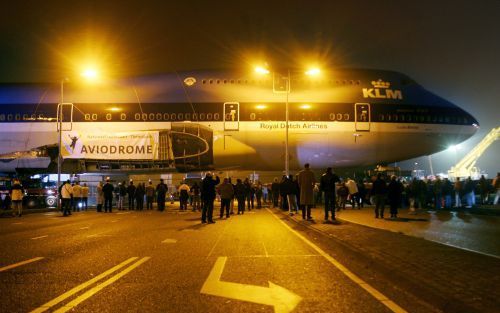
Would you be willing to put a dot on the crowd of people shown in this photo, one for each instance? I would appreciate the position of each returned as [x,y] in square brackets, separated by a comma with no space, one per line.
[291,193]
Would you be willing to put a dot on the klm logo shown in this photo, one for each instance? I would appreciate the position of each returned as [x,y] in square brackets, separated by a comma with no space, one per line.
[381,91]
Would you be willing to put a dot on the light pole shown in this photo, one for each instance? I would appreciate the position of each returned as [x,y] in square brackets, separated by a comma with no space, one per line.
[59,135]
[310,72]
[90,74]
[287,116]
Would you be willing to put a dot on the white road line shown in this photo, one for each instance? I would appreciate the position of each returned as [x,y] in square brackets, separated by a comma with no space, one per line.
[18,223]
[86,227]
[114,221]
[372,291]
[265,249]
[169,240]
[218,239]
[78,288]
[101,286]
[39,237]
[8,267]
[276,256]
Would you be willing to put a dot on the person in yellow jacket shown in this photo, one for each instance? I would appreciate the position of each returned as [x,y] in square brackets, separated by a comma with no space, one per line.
[16,195]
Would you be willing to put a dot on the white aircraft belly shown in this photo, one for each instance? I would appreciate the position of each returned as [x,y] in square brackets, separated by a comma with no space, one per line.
[260,145]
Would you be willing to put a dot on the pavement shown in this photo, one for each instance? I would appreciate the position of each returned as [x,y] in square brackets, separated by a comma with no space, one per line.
[460,229]
[262,261]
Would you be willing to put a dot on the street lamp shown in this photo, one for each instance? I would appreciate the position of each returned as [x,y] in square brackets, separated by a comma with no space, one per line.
[89,74]
[264,71]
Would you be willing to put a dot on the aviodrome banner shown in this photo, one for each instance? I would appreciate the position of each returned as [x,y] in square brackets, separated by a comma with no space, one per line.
[141,145]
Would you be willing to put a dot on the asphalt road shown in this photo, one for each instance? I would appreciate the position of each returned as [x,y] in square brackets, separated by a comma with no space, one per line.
[169,262]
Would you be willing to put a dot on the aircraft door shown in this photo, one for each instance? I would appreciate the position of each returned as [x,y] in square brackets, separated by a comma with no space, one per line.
[231,116]
[362,117]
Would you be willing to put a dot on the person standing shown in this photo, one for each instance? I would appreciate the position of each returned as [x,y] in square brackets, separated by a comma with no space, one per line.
[447,193]
[131,195]
[195,191]
[353,192]
[183,196]
[379,193]
[275,192]
[107,190]
[77,196]
[342,193]
[122,192]
[458,192]
[496,185]
[140,191]
[66,192]
[85,197]
[226,195]
[306,182]
[437,190]
[470,195]
[265,193]
[394,192]
[239,193]
[150,195]
[249,192]
[258,194]
[99,197]
[16,196]
[208,185]
[327,186]
[161,193]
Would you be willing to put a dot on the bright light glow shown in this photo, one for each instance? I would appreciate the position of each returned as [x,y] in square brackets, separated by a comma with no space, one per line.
[305,106]
[454,148]
[90,73]
[260,106]
[114,109]
[313,71]
[261,70]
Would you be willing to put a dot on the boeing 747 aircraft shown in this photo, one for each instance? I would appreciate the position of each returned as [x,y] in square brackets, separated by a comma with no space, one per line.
[200,120]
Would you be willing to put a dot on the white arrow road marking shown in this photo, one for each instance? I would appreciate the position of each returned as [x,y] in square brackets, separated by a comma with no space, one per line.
[355,278]
[283,300]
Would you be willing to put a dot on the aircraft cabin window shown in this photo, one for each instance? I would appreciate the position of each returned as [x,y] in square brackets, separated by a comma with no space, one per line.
[211,81]
[381,117]
[225,81]
[218,81]
[2,117]
[203,81]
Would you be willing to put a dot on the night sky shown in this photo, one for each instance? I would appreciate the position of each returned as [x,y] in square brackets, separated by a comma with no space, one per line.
[450,47]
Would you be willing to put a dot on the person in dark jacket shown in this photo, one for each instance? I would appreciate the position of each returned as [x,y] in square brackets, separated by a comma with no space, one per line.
[161,193]
[394,192]
[140,191]
[249,193]
[208,185]
[275,192]
[327,186]
[131,195]
[107,190]
[283,193]
[226,196]
[379,193]
[239,193]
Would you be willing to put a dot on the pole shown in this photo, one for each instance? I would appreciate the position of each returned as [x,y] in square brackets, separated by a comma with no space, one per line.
[59,134]
[287,169]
